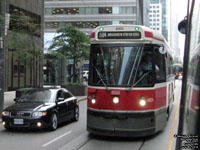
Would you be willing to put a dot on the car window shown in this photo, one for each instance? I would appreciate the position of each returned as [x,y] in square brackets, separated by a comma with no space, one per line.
[67,95]
[60,94]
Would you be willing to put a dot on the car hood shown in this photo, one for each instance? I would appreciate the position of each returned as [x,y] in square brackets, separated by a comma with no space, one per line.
[29,106]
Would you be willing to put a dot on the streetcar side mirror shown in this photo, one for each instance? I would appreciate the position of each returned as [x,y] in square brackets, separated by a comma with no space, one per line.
[182,26]
[162,50]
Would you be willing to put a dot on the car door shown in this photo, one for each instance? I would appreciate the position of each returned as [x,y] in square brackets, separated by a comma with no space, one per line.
[71,103]
[61,105]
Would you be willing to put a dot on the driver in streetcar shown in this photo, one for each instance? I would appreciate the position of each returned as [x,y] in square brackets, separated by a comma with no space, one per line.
[146,65]
[146,68]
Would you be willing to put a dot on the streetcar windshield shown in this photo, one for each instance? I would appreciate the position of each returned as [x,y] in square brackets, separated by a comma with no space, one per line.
[178,68]
[122,65]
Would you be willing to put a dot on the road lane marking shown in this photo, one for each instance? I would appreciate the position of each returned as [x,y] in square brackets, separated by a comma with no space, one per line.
[48,143]
[169,147]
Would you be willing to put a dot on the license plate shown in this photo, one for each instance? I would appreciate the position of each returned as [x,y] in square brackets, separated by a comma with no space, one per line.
[18,121]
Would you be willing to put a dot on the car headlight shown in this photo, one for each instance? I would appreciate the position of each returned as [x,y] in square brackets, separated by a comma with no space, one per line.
[39,114]
[5,113]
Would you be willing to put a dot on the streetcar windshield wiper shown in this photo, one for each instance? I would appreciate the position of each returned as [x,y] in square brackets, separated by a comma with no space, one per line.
[99,74]
[106,73]
[145,74]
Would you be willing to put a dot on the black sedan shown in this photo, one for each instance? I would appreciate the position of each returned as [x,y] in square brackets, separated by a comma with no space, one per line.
[41,108]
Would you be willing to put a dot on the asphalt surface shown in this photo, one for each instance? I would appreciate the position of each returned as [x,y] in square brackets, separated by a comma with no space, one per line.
[74,136]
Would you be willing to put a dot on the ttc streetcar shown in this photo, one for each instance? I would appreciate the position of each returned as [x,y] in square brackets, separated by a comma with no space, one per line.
[131,81]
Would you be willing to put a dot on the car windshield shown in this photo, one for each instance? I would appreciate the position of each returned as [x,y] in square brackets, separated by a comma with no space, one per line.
[36,96]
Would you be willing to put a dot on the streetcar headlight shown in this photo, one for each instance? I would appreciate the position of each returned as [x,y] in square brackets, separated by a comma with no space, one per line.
[142,101]
[115,100]
[93,100]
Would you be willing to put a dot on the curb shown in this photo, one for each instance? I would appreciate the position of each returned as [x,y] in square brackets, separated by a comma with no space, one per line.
[82,99]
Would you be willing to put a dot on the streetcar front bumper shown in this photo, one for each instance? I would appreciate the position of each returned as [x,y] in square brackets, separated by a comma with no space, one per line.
[125,123]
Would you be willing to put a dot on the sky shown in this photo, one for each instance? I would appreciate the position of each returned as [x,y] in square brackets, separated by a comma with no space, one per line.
[180,7]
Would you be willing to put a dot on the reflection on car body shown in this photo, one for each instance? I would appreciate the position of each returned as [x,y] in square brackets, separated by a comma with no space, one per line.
[41,108]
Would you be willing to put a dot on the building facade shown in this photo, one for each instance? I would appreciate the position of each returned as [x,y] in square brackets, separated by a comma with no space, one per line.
[24,44]
[155,17]
[162,7]
[87,15]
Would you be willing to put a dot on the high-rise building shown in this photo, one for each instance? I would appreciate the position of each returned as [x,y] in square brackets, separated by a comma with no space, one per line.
[89,14]
[26,22]
[163,15]
[155,17]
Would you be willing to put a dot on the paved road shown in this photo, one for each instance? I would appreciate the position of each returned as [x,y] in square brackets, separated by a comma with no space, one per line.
[73,136]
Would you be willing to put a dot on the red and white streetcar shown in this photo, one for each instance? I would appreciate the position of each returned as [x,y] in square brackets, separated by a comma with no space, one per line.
[131,81]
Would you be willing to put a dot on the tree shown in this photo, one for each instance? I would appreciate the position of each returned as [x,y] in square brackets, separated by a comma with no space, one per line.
[71,43]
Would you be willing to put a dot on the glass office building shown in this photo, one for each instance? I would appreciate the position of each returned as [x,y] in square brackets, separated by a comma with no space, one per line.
[89,14]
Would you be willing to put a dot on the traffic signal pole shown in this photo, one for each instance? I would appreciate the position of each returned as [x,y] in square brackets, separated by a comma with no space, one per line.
[2,58]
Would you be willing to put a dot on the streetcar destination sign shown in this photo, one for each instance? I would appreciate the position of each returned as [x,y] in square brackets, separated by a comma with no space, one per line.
[120,35]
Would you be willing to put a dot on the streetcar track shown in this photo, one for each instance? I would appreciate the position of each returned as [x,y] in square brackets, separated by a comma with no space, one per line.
[89,139]
[143,141]
[82,144]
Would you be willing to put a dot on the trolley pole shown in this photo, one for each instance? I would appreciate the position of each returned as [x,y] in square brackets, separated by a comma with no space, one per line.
[2,35]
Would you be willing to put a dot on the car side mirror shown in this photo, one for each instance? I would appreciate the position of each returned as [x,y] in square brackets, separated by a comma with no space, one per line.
[182,26]
[60,99]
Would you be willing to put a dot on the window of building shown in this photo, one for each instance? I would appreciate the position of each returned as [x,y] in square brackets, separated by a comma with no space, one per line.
[115,22]
[24,21]
[105,23]
[48,11]
[105,10]
[115,10]
[52,25]
[88,11]
[69,11]
[95,11]
[82,11]
[127,22]
[127,10]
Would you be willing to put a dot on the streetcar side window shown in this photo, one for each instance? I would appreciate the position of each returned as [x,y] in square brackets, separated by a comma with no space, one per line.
[160,62]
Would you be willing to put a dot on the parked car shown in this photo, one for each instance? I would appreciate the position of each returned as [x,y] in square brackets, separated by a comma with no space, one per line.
[41,108]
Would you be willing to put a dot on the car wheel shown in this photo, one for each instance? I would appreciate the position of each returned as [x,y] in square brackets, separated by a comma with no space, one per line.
[54,122]
[76,114]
